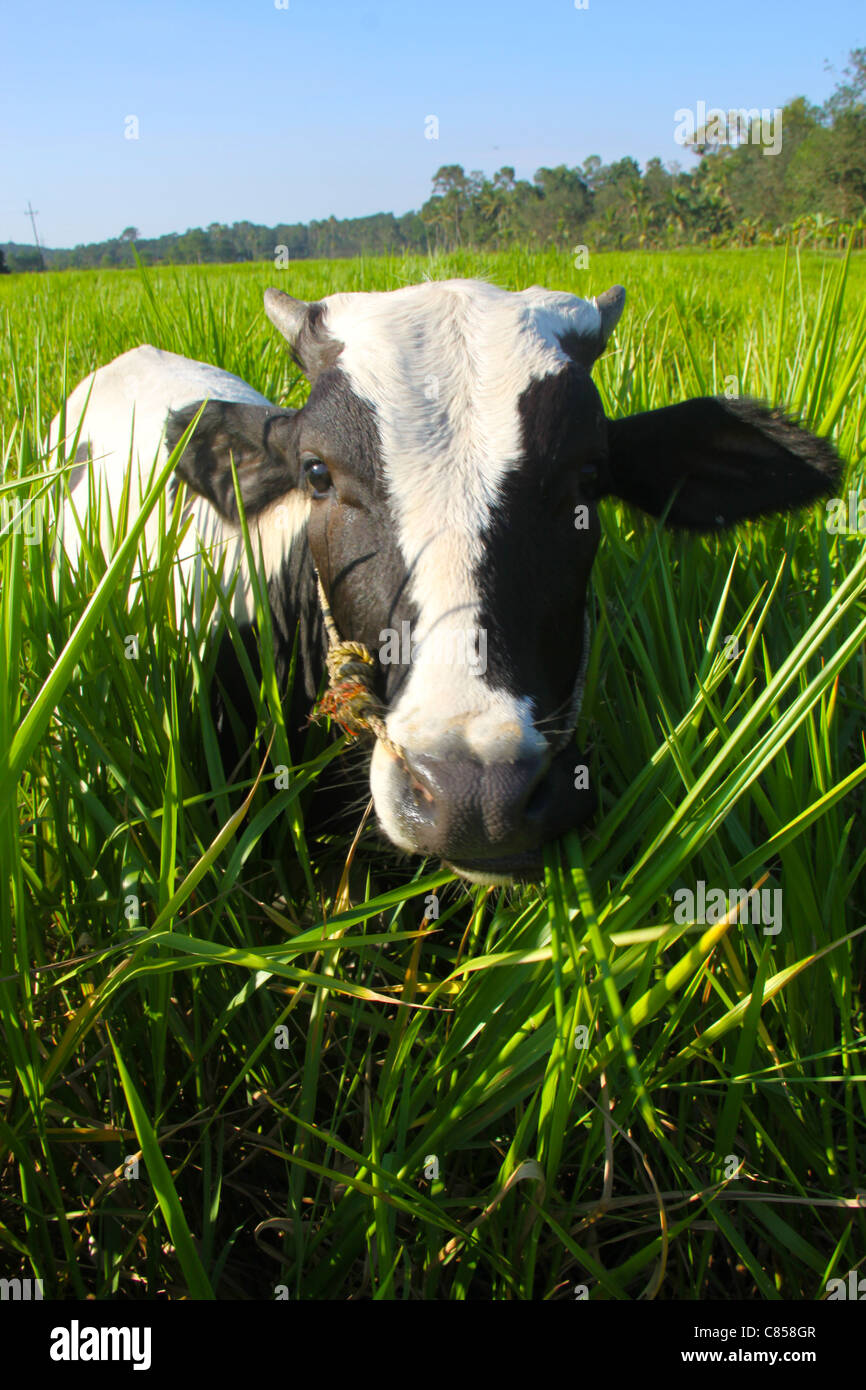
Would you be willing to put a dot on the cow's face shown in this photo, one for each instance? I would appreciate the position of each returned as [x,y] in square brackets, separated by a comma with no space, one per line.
[450,456]
[446,444]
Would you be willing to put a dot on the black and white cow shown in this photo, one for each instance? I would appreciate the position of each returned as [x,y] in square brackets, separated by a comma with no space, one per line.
[451,439]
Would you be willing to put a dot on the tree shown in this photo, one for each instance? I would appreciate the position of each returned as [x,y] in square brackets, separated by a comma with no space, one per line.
[564,204]
[445,211]
[849,95]
[812,187]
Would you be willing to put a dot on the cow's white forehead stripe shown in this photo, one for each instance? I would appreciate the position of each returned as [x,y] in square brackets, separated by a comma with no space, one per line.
[444,364]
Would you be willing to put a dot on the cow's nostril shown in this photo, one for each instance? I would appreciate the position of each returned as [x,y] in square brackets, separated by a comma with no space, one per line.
[419,800]
[460,806]
[421,795]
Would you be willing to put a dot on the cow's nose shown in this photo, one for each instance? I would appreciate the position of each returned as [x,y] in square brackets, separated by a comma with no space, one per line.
[463,809]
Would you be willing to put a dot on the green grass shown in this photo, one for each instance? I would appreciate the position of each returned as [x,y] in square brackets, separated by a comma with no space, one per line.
[614,1099]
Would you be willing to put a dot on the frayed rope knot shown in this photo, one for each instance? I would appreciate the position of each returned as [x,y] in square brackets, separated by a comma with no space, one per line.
[350,699]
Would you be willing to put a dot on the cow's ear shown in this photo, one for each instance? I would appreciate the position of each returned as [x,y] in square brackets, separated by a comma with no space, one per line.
[721,461]
[303,327]
[586,348]
[260,439]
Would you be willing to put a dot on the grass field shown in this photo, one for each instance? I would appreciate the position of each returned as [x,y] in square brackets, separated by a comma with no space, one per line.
[230,1069]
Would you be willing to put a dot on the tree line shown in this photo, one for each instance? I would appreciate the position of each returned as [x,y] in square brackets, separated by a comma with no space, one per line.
[810,185]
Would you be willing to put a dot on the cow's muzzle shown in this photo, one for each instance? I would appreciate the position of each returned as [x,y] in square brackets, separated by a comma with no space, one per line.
[488,820]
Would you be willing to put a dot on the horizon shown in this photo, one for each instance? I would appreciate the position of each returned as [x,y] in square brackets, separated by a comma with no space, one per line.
[186,123]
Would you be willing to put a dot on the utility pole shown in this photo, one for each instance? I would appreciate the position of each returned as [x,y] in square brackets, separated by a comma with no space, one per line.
[29,212]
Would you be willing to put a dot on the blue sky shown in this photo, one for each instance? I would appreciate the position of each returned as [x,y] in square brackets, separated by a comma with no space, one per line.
[247,110]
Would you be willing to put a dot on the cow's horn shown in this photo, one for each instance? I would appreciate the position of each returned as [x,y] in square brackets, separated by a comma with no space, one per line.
[610,305]
[285,313]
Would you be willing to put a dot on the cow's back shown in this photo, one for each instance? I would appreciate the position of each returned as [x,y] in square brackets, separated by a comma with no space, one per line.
[121,411]
[118,414]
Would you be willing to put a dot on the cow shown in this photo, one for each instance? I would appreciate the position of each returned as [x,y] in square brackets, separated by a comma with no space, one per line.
[441,484]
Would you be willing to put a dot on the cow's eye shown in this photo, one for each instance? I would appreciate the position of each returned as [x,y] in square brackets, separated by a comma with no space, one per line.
[317,475]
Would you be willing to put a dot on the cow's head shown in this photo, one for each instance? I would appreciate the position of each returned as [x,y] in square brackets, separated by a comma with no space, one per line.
[452,454]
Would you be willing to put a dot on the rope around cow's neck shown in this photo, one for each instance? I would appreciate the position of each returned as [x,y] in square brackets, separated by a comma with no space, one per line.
[352,702]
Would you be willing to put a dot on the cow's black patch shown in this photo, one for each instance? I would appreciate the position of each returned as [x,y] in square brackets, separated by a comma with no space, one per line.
[351,530]
[349,539]
[538,551]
